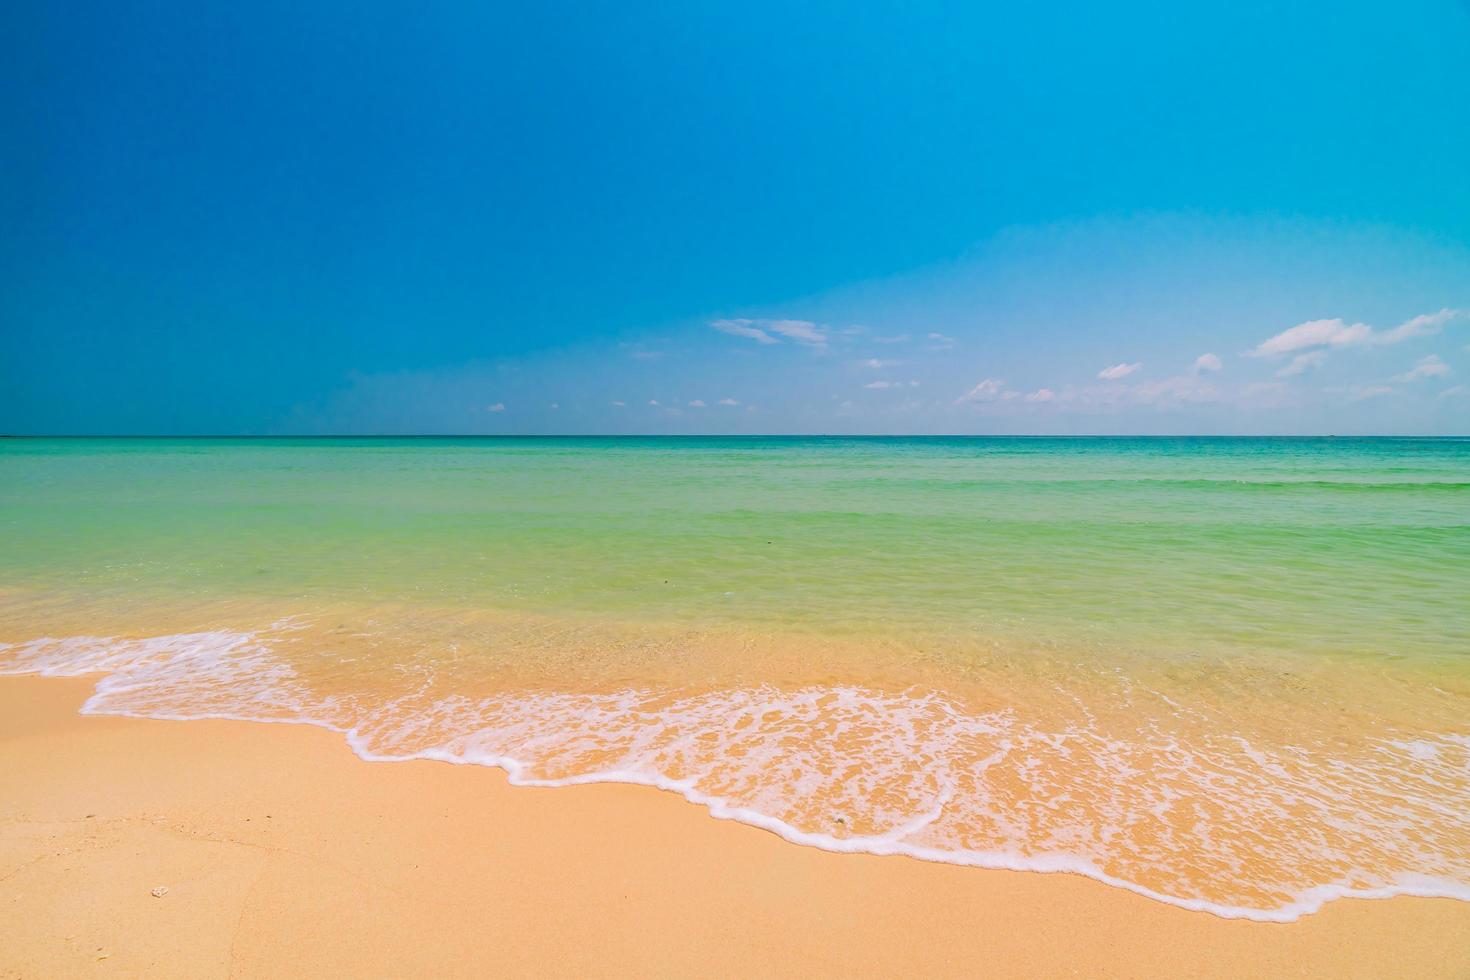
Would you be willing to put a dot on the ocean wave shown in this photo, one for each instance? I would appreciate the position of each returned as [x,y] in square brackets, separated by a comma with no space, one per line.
[1182,810]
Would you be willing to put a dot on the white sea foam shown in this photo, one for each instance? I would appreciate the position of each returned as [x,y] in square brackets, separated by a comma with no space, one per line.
[1206,821]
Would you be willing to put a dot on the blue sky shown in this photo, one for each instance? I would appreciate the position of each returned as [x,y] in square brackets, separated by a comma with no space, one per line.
[841,217]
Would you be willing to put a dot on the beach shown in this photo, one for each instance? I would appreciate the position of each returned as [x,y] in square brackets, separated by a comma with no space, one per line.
[284,855]
[888,490]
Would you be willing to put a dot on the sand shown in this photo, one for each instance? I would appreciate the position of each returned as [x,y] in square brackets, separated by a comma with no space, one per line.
[282,854]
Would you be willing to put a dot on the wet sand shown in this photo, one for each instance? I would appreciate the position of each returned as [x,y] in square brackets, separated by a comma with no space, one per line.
[282,854]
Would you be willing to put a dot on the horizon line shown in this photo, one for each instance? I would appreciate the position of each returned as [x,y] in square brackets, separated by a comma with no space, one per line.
[733,435]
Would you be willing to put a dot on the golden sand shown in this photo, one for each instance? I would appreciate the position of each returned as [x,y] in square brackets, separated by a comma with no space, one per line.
[1237,783]
[211,848]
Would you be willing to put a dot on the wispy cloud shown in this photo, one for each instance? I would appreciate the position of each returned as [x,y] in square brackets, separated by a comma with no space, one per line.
[1357,393]
[729,401]
[1180,389]
[1118,371]
[1302,363]
[764,331]
[1334,333]
[1423,325]
[939,341]
[744,328]
[1313,333]
[1256,388]
[989,390]
[898,338]
[874,362]
[1371,391]
[1427,367]
[880,385]
[1458,391]
[640,351]
[801,331]
[618,404]
[1207,363]
[696,404]
[497,407]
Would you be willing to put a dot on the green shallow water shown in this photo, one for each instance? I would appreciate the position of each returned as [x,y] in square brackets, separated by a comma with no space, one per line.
[1335,546]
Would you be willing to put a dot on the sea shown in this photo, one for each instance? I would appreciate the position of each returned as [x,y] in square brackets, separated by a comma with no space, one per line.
[1230,674]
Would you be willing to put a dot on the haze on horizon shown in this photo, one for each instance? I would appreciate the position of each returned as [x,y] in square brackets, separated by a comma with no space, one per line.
[892,218]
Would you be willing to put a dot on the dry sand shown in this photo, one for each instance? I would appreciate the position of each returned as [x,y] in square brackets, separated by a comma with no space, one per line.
[284,855]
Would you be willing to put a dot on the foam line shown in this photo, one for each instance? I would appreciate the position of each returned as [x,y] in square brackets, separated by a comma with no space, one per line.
[213,674]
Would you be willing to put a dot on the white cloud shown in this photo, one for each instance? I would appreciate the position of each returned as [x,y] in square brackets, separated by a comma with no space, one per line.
[1315,338]
[1338,333]
[897,338]
[729,401]
[653,402]
[1041,395]
[939,341]
[1422,325]
[497,407]
[696,404]
[989,390]
[1313,333]
[744,328]
[879,385]
[875,363]
[1207,362]
[802,331]
[555,406]
[1118,371]
[1458,391]
[1302,363]
[1427,367]
[618,404]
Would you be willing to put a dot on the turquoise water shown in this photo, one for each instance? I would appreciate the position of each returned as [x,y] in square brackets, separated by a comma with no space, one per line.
[1233,674]
[1338,546]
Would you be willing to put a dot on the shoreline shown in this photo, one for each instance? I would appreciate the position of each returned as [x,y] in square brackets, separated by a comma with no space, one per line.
[283,853]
